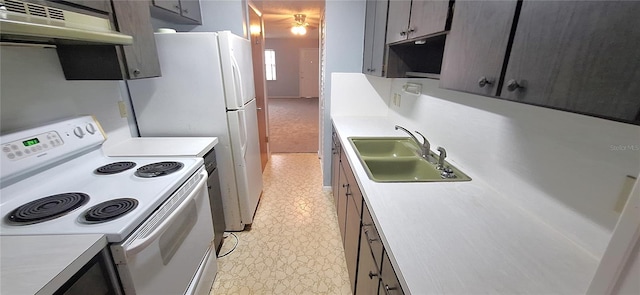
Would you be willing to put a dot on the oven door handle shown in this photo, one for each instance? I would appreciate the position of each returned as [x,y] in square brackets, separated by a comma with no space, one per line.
[138,245]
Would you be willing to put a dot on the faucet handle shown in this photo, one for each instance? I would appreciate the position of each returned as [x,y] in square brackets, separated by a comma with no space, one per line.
[425,142]
[443,154]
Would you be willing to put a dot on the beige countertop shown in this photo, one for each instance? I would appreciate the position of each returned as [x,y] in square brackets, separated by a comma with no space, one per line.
[161,146]
[464,237]
[42,264]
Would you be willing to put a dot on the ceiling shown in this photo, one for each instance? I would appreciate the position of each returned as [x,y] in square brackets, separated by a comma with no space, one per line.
[278,16]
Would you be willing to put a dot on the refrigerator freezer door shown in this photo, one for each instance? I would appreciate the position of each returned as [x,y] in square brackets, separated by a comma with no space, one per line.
[243,131]
[237,69]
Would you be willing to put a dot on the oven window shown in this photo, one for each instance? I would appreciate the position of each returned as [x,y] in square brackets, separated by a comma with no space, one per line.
[93,278]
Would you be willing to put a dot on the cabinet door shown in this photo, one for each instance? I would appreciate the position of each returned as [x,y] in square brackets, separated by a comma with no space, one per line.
[191,10]
[341,205]
[369,28]
[428,17]
[352,235]
[476,45]
[335,168]
[141,58]
[375,31]
[398,20]
[170,5]
[580,56]
[389,284]
[367,281]
[379,38]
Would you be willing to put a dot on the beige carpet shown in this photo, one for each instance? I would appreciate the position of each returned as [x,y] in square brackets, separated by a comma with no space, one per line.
[293,125]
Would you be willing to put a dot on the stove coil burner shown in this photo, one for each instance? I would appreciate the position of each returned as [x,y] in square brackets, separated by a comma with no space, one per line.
[109,210]
[47,208]
[114,168]
[158,169]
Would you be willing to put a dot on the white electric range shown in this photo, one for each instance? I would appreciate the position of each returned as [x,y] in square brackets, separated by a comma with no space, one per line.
[154,211]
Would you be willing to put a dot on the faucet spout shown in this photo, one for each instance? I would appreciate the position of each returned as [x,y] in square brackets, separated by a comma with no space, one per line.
[425,146]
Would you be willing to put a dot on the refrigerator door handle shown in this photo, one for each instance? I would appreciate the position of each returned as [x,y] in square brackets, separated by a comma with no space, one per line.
[237,81]
[242,123]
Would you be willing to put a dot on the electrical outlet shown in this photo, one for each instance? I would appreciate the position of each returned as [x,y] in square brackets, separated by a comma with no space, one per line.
[396,99]
[123,109]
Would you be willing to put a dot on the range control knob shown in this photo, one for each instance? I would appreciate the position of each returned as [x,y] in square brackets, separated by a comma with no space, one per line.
[78,132]
[90,128]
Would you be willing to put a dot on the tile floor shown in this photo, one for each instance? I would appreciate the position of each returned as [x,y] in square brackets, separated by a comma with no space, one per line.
[294,245]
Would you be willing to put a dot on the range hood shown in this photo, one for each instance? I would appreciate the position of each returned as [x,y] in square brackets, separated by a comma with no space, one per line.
[28,22]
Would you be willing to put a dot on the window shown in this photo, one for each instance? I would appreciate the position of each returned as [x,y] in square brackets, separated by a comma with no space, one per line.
[270,64]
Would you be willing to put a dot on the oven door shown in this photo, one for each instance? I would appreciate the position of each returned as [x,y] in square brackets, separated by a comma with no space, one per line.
[165,253]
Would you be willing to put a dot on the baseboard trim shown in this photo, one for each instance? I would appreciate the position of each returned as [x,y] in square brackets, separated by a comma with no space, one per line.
[300,97]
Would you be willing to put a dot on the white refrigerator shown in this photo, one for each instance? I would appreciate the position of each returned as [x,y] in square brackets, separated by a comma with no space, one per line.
[207,89]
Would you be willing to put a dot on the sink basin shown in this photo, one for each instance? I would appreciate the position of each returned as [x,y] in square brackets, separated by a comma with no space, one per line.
[397,159]
[384,147]
[401,169]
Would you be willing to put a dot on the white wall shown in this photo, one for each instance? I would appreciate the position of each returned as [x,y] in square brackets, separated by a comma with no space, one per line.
[33,91]
[217,15]
[287,83]
[567,169]
[344,44]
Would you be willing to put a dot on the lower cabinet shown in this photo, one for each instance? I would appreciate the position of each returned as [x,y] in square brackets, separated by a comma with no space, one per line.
[370,256]
[370,270]
[389,284]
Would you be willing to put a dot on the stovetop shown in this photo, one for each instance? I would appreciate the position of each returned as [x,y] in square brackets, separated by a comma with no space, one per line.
[63,158]
[79,176]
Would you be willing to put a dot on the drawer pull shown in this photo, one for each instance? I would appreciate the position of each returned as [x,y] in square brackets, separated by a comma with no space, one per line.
[371,275]
[370,240]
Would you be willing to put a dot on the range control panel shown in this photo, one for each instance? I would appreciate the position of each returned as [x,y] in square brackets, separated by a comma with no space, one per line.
[26,147]
[30,150]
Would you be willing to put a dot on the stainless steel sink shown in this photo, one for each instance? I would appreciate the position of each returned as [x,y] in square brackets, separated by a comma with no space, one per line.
[397,159]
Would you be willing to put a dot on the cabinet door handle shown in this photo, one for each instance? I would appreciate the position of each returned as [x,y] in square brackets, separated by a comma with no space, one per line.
[136,72]
[512,85]
[483,81]
[411,30]
[185,10]
[370,240]
[371,275]
[177,7]
[387,288]
[403,33]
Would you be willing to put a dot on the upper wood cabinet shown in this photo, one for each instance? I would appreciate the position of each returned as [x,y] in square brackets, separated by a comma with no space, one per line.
[417,18]
[111,62]
[133,18]
[579,56]
[177,11]
[374,37]
[476,46]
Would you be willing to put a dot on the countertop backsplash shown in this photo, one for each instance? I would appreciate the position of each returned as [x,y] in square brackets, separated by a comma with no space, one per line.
[34,91]
[564,168]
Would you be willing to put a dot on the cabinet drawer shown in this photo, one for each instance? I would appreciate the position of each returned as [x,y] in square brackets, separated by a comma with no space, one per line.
[370,236]
[389,284]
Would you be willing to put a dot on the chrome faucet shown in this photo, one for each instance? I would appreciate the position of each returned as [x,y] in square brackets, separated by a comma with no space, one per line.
[425,146]
[443,154]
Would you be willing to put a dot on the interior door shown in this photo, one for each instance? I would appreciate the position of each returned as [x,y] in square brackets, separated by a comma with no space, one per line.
[309,72]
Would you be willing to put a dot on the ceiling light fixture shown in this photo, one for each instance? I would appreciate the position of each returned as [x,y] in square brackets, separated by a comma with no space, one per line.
[299,26]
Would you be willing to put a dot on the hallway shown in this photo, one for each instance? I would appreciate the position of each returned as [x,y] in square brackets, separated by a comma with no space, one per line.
[294,245]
